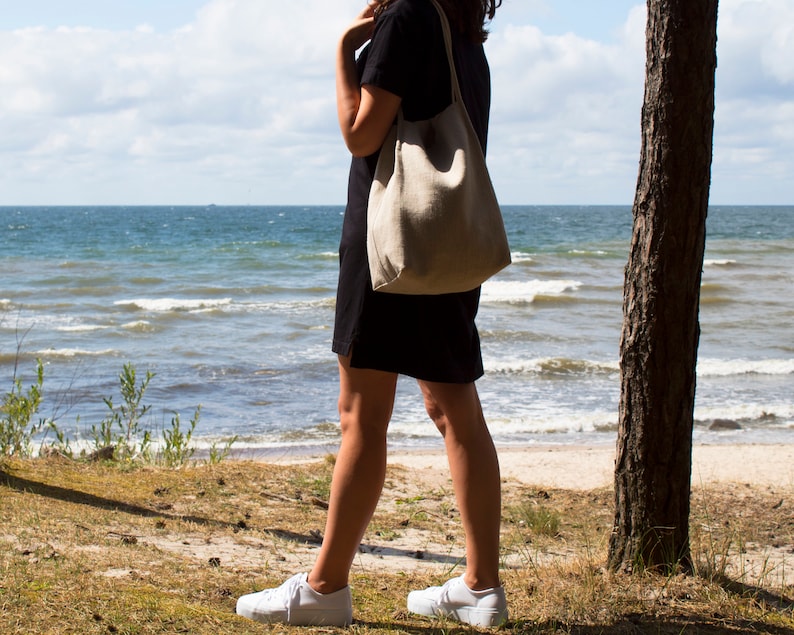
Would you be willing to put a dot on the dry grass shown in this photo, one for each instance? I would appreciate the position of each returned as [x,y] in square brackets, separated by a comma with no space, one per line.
[97,549]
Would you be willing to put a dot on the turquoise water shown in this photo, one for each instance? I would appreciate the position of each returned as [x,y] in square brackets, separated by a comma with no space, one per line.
[232,308]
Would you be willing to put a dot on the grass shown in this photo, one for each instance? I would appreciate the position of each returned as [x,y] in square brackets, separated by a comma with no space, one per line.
[91,548]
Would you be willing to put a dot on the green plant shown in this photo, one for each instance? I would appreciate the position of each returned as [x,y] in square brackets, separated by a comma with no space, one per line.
[317,484]
[176,444]
[539,520]
[62,444]
[122,427]
[17,412]
[221,454]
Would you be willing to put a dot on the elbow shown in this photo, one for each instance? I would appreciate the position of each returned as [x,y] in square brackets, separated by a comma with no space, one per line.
[365,140]
[361,148]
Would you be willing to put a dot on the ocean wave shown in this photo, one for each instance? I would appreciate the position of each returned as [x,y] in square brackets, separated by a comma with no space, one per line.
[513,292]
[12,358]
[141,326]
[81,328]
[290,306]
[72,352]
[732,367]
[745,415]
[718,262]
[562,366]
[708,300]
[168,305]
[588,252]
[323,255]
[552,366]
[520,426]
[519,257]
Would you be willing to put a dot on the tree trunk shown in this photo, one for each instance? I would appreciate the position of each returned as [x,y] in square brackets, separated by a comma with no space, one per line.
[661,296]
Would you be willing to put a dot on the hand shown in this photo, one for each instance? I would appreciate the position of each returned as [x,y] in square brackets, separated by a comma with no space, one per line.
[360,30]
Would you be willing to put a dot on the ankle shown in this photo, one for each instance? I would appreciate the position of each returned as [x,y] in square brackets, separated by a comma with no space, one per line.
[323,585]
[481,583]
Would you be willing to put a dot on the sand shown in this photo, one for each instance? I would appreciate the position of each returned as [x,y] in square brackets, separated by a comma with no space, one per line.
[591,467]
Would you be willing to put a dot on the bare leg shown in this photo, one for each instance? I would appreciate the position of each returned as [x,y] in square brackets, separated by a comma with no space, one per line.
[366,399]
[474,467]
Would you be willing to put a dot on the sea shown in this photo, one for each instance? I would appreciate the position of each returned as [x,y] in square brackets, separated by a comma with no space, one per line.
[231,308]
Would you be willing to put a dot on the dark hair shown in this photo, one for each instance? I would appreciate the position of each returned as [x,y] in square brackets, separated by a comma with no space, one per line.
[469,16]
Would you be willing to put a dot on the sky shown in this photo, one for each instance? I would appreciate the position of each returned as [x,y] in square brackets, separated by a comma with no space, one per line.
[142,102]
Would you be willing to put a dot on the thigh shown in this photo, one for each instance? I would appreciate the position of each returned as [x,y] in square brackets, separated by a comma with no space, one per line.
[366,396]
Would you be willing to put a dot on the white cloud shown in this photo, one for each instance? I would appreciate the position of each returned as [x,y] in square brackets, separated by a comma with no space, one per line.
[759,46]
[754,135]
[230,97]
[238,106]
[565,117]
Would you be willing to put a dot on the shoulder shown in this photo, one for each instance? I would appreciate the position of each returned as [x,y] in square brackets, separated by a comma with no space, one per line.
[411,17]
[413,7]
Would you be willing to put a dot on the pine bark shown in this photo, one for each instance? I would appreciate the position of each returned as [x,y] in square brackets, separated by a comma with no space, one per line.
[659,340]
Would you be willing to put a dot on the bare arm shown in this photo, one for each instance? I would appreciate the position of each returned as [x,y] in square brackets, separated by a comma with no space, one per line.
[365,113]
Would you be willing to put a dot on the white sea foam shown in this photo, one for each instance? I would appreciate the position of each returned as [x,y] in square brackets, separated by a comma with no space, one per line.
[289,306]
[550,366]
[520,256]
[514,292]
[137,325]
[731,367]
[716,262]
[585,252]
[775,413]
[73,352]
[565,366]
[166,305]
[81,328]
[548,419]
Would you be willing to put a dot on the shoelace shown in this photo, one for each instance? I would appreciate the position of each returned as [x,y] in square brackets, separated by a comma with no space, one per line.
[443,592]
[287,592]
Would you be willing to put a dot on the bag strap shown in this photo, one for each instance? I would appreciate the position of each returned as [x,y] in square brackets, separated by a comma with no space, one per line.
[453,74]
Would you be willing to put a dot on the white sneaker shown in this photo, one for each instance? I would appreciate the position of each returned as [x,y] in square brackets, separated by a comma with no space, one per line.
[459,602]
[296,603]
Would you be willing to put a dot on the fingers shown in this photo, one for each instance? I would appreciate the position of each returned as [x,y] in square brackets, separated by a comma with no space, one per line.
[372,9]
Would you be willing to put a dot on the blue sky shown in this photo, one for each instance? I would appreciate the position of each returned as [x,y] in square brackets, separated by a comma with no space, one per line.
[584,17]
[229,101]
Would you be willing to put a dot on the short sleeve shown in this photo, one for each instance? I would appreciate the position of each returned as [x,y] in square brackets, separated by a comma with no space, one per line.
[397,49]
[407,57]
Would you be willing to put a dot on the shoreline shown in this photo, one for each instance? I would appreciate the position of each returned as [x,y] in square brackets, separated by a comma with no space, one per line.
[587,467]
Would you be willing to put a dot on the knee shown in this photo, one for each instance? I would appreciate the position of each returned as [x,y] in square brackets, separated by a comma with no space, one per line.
[370,425]
[436,413]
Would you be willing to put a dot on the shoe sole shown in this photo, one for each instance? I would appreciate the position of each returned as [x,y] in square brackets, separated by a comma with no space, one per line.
[319,617]
[298,618]
[464,614]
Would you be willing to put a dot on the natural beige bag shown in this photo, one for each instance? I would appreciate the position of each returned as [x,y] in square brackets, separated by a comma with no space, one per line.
[433,222]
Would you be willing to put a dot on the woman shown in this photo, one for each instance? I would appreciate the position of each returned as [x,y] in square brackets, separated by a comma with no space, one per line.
[379,336]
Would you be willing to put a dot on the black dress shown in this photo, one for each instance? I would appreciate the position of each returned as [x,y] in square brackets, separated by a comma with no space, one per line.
[428,337]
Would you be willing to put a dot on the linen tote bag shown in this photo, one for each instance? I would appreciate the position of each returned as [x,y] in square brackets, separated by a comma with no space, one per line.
[433,222]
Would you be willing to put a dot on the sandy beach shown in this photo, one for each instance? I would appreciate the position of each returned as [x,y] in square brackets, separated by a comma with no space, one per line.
[583,467]
[735,471]
[591,467]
